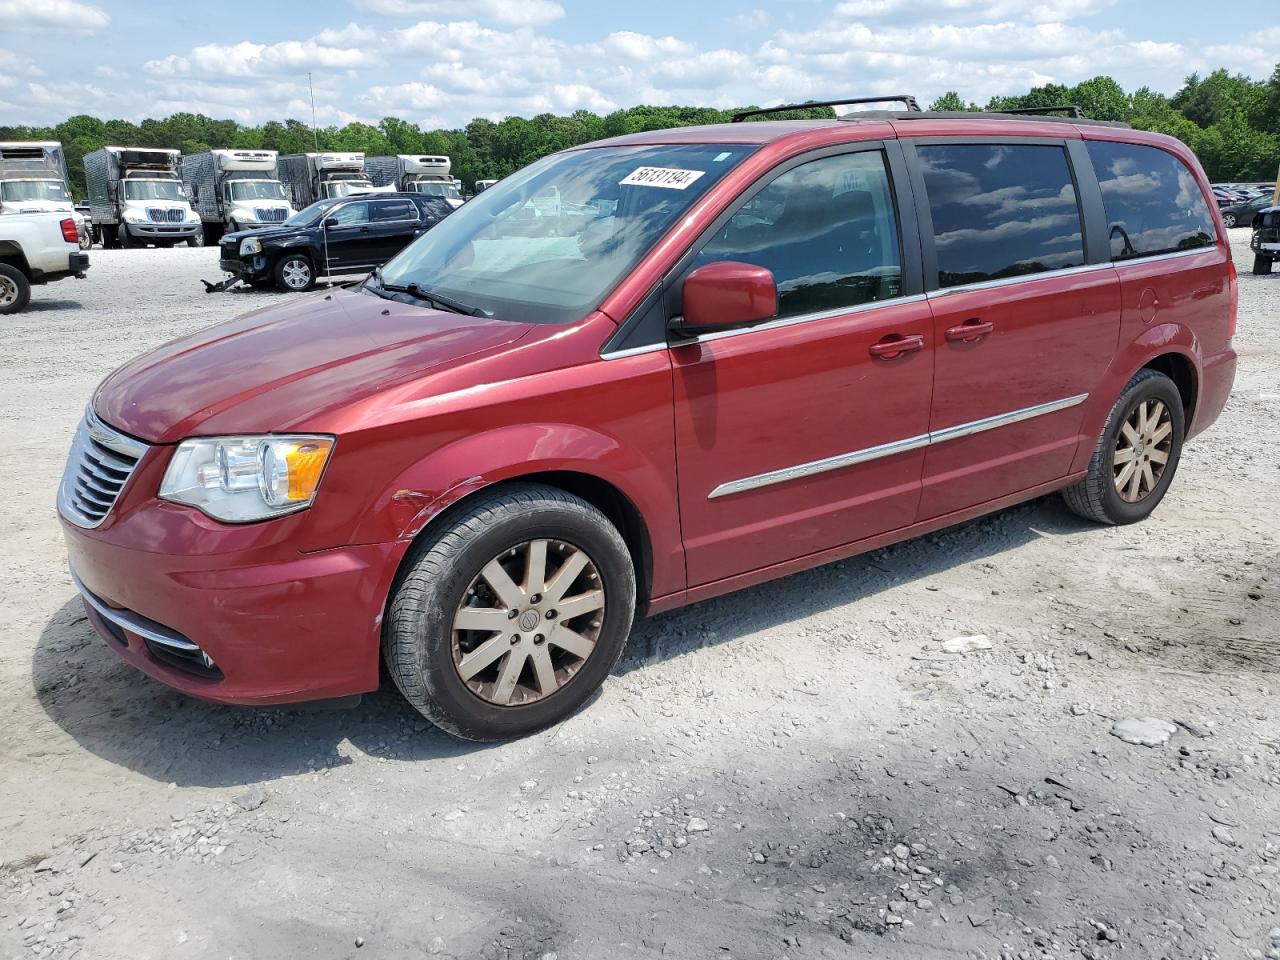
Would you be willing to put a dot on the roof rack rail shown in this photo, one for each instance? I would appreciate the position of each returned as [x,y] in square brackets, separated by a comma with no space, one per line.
[1070,109]
[906,99]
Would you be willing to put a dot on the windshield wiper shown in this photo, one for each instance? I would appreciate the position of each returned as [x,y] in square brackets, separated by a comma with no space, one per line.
[426,296]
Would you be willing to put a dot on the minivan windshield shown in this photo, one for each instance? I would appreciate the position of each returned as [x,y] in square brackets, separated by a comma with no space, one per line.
[548,243]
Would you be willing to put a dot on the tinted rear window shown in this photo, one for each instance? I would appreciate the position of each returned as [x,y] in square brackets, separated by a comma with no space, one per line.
[1152,201]
[1001,210]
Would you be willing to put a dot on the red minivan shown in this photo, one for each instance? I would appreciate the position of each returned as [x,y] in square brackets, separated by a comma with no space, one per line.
[644,372]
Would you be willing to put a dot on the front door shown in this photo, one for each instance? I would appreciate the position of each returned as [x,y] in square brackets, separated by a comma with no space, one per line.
[347,240]
[807,432]
[1025,328]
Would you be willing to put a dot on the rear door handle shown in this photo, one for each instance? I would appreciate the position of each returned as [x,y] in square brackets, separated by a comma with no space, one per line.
[971,331]
[895,345]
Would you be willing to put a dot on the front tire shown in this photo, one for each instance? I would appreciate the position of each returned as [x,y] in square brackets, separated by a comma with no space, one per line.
[1229,219]
[1262,265]
[127,240]
[511,614]
[196,239]
[293,273]
[1137,454]
[15,289]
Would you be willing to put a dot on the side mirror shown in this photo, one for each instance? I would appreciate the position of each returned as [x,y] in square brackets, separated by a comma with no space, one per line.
[726,294]
[330,221]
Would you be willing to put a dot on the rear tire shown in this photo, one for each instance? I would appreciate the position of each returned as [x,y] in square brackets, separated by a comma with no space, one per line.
[1229,220]
[426,651]
[15,289]
[294,273]
[1108,494]
[1262,265]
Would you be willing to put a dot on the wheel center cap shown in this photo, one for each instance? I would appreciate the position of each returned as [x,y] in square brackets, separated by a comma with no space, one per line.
[529,619]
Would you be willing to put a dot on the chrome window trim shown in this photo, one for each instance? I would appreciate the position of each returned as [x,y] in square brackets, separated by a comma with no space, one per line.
[1064,272]
[134,623]
[866,454]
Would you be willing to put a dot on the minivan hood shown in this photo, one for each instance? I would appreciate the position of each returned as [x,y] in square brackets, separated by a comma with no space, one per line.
[279,368]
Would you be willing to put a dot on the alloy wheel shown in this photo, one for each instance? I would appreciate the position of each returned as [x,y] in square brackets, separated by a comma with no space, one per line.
[1229,219]
[1142,451]
[8,292]
[528,622]
[296,274]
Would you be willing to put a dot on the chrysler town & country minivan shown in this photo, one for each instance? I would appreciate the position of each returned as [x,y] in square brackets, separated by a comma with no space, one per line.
[640,373]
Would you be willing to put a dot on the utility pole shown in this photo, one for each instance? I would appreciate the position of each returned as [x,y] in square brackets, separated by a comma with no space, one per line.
[315,133]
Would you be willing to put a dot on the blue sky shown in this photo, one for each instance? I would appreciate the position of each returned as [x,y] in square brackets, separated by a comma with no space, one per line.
[442,62]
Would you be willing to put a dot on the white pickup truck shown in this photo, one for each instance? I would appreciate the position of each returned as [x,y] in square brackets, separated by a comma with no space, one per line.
[36,248]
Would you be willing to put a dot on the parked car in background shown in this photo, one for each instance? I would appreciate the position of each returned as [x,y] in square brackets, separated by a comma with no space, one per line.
[339,236]
[1240,214]
[37,248]
[1265,241]
[640,373]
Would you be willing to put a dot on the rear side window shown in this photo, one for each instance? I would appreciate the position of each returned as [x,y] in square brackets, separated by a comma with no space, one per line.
[826,230]
[1152,201]
[1001,210]
[395,210]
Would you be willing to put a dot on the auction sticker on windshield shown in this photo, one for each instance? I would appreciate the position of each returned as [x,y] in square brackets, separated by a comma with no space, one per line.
[668,177]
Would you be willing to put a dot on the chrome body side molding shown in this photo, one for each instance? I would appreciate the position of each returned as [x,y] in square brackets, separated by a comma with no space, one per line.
[840,461]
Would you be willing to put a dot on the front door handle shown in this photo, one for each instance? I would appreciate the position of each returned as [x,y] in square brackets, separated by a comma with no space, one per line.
[971,331]
[895,345]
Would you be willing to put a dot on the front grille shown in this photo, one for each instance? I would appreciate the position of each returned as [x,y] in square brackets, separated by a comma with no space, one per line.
[98,467]
[274,215]
[165,215]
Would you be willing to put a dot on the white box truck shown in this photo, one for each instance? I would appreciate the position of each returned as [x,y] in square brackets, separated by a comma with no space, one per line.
[235,190]
[416,173]
[33,179]
[136,198]
[319,176]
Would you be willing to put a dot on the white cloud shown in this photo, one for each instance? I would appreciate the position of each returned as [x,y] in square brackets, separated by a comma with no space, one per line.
[751,20]
[59,14]
[943,11]
[519,13]
[246,59]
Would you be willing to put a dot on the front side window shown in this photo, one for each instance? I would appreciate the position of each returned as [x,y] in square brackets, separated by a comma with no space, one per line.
[550,242]
[1152,201]
[350,213]
[827,232]
[394,210]
[152,190]
[1000,210]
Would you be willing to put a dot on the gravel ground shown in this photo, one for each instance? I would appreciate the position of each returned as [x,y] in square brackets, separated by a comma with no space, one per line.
[798,770]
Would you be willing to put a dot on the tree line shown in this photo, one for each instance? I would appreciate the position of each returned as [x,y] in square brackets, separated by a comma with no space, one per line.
[1230,121]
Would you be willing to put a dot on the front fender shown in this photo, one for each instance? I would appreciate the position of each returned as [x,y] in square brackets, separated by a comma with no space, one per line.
[447,475]
[1157,340]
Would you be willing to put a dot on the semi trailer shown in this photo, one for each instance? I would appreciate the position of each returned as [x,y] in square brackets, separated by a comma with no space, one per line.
[33,179]
[415,173]
[136,197]
[235,190]
[319,176]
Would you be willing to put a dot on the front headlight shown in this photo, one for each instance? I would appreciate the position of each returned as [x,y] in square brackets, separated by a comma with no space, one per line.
[250,245]
[131,217]
[239,479]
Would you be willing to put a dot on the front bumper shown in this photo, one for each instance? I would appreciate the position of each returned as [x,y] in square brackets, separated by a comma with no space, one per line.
[1266,242]
[163,231]
[169,589]
[254,268]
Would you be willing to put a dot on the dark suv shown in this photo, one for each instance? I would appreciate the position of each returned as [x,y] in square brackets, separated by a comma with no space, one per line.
[343,235]
[1266,239]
